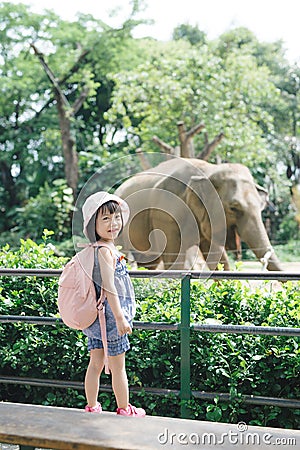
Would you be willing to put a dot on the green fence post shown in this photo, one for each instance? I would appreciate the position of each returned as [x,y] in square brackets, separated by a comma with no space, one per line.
[185,367]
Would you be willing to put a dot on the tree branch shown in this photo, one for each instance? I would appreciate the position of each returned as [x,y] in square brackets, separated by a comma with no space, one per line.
[143,159]
[75,67]
[78,103]
[209,147]
[73,70]
[50,74]
[195,130]
[166,147]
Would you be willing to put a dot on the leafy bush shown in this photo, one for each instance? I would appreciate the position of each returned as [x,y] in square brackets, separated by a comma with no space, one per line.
[229,363]
[288,227]
[289,251]
[52,207]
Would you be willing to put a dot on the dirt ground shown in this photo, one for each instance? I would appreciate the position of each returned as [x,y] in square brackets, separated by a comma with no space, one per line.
[293,266]
[255,266]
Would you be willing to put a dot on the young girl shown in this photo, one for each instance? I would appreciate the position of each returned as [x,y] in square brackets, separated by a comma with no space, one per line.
[104,216]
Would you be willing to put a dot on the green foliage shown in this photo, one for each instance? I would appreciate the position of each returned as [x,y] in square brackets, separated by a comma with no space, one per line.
[79,54]
[289,230]
[180,82]
[225,363]
[52,207]
[190,33]
[288,252]
[135,89]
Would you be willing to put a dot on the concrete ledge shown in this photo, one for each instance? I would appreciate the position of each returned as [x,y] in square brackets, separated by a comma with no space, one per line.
[67,428]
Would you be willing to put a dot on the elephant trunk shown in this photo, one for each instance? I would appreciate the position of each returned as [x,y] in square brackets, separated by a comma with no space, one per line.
[254,234]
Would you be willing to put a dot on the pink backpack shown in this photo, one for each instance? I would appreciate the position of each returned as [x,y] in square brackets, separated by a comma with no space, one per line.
[76,291]
[77,294]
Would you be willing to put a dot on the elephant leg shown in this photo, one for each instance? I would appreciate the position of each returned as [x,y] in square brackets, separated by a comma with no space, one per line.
[141,242]
[194,259]
[174,255]
[131,261]
[214,255]
[147,261]
[168,241]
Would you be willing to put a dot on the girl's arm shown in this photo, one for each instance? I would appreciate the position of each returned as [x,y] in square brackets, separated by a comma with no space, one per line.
[107,270]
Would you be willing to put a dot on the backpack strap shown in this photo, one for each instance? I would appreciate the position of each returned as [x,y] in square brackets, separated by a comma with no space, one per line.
[102,321]
[100,300]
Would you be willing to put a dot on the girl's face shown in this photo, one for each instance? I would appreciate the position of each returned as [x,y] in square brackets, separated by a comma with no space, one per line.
[108,225]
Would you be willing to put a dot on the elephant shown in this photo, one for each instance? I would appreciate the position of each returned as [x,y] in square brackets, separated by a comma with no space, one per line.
[186,202]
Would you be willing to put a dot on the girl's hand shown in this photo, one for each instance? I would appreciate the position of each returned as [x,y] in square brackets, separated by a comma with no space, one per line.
[123,326]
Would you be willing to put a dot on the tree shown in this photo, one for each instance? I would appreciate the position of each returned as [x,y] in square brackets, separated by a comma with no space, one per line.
[182,84]
[186,139]
[65,114]
[93,93]
[54,94]
[190,33]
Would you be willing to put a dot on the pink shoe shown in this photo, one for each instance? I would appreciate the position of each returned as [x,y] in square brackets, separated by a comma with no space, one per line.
[131,411]
[93,409]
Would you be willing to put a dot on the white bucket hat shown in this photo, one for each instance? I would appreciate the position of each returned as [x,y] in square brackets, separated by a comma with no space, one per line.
[94,201]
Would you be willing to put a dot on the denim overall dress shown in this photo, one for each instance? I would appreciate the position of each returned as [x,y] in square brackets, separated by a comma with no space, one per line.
[116,344]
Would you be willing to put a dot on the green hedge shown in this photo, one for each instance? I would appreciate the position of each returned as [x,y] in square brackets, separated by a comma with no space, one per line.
[236,364]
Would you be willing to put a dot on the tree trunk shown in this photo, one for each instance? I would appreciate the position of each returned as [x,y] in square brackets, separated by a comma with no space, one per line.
[143,159]
[186,144]
[187,149]
[68,144]
[65,112]
[8,183]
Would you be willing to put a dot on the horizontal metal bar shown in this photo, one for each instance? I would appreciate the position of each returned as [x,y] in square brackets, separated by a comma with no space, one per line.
[216,275]
[44,382]
[63,384]
[245,329]
[20,272]
[203,275]
[209,328]
[156,326]
[249,399]
[37,320]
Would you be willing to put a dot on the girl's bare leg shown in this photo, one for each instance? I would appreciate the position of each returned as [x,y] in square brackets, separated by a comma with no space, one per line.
[119,380]
[92,376]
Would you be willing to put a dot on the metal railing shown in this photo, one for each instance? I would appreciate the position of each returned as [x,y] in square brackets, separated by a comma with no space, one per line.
[184,327]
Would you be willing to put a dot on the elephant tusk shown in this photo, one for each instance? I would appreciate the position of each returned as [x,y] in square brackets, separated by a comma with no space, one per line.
[265,259]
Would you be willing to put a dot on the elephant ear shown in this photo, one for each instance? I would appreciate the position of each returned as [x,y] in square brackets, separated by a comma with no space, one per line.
[263,195]
[198,190]
[203,199]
